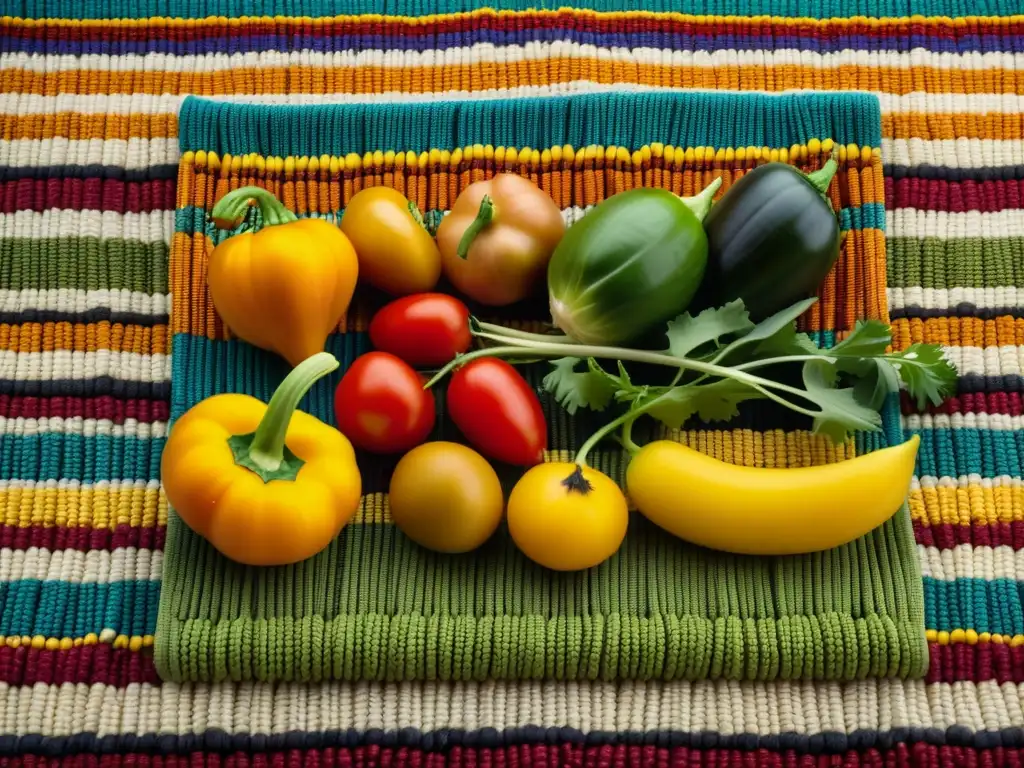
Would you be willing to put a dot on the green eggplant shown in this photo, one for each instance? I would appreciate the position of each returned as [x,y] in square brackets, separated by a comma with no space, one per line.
[630,265]
[772,239]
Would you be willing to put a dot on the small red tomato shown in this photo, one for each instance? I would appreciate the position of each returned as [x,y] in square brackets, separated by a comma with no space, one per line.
[498,412]
[426,329]
[381,406]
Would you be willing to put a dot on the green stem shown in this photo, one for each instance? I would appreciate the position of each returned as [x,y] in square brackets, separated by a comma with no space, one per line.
[701,204]
[477,354]
[482,220]
[233,206]
[822,177]
[414,211]
[634,355]
[266,450]
[626,437]
[512,333]
[777,360]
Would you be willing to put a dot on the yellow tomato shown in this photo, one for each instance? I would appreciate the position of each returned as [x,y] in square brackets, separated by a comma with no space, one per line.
[446,497]
[567,518]
[396,253]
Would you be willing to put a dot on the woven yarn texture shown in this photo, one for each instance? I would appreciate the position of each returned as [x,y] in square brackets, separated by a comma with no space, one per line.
[376,606]
[90,98]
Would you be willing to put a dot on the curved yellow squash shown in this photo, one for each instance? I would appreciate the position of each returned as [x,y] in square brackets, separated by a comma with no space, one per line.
[762,511]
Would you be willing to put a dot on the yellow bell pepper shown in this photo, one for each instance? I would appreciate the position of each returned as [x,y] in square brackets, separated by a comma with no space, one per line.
[285,287]
[264,484]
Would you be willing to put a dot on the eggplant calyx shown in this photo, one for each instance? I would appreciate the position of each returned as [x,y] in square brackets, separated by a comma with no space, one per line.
[482,220]
[822,177]
[701,203]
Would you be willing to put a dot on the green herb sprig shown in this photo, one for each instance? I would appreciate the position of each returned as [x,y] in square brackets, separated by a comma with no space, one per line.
[723,359]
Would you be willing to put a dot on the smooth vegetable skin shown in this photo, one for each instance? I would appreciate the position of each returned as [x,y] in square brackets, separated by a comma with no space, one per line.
[772,239]
[567,517]
[768,511]
[426,329]
[264,484]
[629,266]
[446,497]
[381,406]
[498,412]
[496,242]
[286,287]
[396,253]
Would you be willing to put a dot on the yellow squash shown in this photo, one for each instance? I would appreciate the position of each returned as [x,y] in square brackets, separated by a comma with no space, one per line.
[264,484]
[768,511]
[285,287]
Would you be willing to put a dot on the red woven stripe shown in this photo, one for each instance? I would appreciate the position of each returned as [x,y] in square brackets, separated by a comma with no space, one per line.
[919,755]
[954,196]
[979,402]
[984,661]
[82,538]
[460,24]
[88,664]
[106,407]
[93,194]
[948,535]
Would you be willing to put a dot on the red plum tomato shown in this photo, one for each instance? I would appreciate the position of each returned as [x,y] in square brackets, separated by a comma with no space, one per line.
[425,330]
[498,412]
[381,406]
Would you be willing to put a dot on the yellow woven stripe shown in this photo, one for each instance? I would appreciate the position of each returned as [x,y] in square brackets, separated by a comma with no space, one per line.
[102,508]
[803,23]
[972,637]
[106,637]
[972,504]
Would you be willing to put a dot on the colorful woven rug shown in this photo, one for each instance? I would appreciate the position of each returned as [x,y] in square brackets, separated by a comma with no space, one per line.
[376,606]
[88,159]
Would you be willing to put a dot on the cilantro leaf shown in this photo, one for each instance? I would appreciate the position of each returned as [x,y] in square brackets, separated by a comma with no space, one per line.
[876,380]
[574,390]
[869,338]
[687,334]
[840,410]
[776,335]
[674,406]
[929,376]
[719,401]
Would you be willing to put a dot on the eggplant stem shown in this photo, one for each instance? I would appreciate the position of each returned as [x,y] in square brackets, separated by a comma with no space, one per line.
[700,204]
[822,177]
[482,220]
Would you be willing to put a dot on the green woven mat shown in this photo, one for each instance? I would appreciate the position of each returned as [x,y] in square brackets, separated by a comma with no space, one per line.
[376,606]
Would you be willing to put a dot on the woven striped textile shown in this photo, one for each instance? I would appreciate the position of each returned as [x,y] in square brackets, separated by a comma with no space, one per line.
[88,163]
[374,605]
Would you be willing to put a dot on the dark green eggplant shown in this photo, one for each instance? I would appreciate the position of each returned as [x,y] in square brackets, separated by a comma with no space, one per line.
[629,266]
[772,239]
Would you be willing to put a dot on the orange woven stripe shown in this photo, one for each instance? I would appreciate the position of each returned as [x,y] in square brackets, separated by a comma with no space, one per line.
[475,77]
[81,337]
[80,126]
[953,126]
[959,331]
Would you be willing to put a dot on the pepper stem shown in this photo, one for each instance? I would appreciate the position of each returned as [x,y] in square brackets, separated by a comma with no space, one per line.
[701,203]
[822,177]
[264,451]
[483,218]
[231,208]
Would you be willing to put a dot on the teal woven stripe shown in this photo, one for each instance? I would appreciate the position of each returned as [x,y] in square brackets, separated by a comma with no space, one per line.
[625,119]
[818,9]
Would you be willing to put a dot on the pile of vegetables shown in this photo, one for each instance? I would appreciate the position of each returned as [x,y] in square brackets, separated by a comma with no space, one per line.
[662,308]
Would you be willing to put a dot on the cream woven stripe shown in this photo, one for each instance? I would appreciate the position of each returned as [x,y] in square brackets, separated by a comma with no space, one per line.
[726,708]
[14,103]
[537,51]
